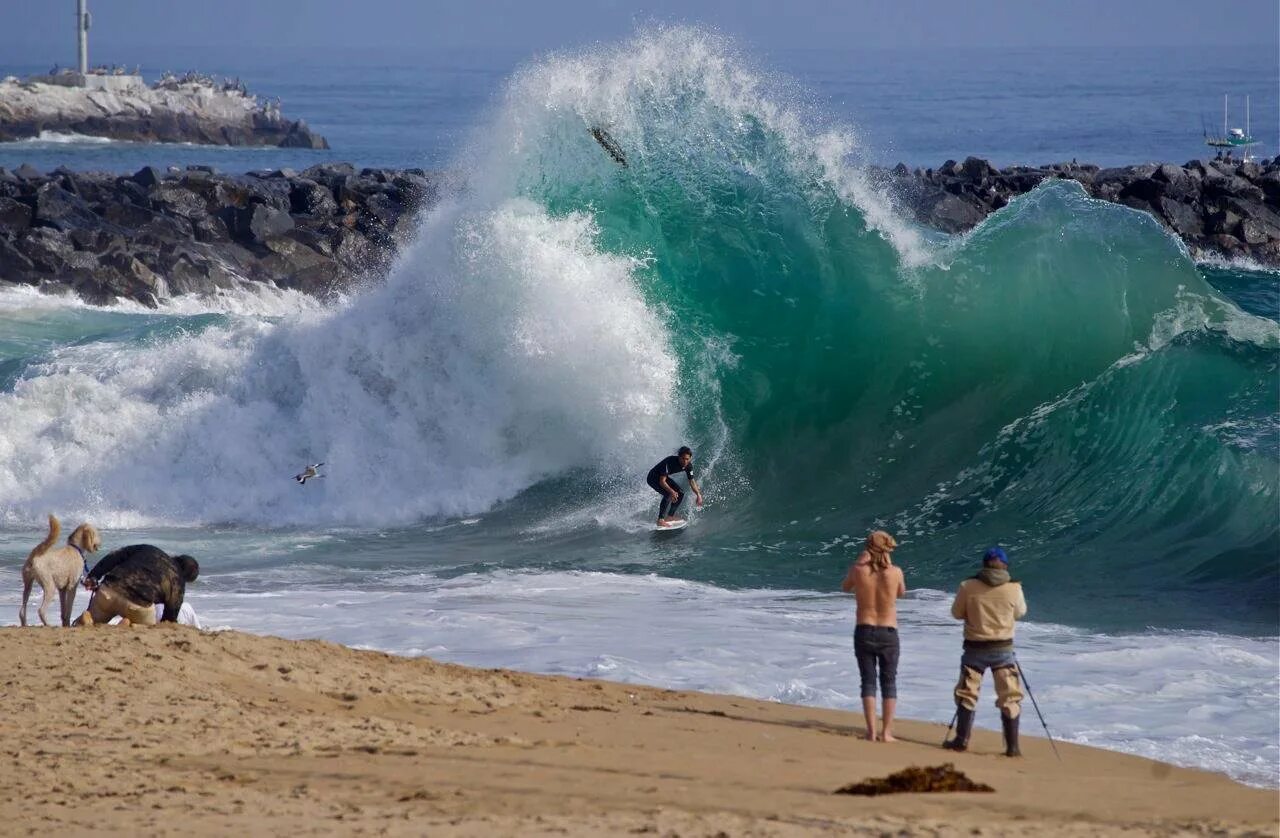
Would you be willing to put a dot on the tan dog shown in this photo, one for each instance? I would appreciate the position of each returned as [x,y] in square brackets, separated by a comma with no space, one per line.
[57,569]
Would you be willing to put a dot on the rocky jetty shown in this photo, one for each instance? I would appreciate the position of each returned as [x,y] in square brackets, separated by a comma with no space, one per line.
[188,109]
[1222,207]
[153,234]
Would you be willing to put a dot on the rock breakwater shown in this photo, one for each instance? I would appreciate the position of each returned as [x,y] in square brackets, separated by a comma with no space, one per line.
[1225,208]
[153,234]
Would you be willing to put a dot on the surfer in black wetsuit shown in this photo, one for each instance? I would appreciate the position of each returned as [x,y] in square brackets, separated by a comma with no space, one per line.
[660,481]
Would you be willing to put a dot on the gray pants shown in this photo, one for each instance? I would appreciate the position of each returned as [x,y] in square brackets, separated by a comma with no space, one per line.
[876,648]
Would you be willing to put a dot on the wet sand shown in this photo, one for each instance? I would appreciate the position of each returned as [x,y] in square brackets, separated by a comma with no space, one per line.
[168,730]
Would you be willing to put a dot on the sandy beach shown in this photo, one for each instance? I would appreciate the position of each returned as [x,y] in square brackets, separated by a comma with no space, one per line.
[168,730]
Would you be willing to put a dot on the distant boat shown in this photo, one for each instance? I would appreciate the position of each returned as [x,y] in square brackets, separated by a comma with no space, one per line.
[1232,138]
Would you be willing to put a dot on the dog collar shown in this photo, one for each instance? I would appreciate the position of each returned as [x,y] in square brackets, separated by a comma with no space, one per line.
[85,573]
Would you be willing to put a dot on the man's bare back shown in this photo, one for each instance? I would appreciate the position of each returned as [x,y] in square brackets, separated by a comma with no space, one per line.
[876,592]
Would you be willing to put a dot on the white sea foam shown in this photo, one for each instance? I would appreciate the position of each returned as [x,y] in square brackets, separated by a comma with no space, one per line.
[1194,699]
[1235,263]
[65,138]
[503,347]
[252,299]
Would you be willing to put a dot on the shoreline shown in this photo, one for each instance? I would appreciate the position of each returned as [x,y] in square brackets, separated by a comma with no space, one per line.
[173,730]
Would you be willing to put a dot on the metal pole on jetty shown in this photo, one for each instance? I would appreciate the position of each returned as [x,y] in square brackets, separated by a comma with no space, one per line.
[82,35]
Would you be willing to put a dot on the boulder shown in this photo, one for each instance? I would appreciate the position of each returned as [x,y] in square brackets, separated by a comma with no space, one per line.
[1249,171]
[1269,183]
[1264,218]
[310,198]
[417,189]
[300,136]
[952,214]
[381,207]
[976,169]
[294,265]
[1223,223]
[176,199]
[15,216]
[1226,244]
[326,173]
[147,177]
[189,272]
[1145,189]
[1178,183]
[1182,218]
[127,215]
[1017,183]
[272,192]
[1254,231]
[127,191]
[164,230]
[257,223]
[56,207]
[27,172]
[211,229]
[47,248]
[1231,185]
[15,266]
[132,270]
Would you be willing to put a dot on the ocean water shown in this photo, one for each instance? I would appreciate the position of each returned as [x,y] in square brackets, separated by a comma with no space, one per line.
[1062,380]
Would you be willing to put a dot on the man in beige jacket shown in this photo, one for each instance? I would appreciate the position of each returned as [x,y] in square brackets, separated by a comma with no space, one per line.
[989,603]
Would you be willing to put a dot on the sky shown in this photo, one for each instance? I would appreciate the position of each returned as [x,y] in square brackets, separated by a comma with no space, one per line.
[43,30]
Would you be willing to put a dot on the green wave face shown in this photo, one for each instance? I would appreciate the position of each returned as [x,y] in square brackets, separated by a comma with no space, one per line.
[1062,380]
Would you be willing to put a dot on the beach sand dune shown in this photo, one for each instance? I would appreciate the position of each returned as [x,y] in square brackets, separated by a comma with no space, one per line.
[168,730]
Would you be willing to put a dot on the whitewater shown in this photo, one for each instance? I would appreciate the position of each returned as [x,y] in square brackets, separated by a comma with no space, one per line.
[1062,380]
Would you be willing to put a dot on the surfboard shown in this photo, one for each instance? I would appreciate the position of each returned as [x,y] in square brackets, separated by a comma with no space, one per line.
[678,525]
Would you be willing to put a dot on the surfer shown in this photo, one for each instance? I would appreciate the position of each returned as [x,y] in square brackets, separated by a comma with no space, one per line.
[660,481]
[877,584]
[989,603]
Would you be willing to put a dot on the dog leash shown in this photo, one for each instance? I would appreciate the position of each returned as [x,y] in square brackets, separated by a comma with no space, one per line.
[84,574]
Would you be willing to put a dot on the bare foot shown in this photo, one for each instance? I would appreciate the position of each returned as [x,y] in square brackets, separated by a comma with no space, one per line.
[870,737]
[888,737]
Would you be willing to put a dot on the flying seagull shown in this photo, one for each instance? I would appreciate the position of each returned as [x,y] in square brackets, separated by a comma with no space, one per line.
[308,473]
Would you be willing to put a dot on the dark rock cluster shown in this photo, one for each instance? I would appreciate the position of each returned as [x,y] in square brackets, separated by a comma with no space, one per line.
[154,234]
[1223,207]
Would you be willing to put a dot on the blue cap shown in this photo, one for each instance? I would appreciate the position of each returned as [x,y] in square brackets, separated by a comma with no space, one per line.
[997,554]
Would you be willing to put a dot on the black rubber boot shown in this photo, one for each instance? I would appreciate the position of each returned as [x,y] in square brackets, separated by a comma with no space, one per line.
[964,726]
[1011,736]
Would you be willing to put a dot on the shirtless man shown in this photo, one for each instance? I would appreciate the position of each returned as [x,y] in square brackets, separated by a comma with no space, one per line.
[876,585]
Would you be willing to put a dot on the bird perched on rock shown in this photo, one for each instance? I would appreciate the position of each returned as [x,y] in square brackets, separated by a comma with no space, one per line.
[308,473]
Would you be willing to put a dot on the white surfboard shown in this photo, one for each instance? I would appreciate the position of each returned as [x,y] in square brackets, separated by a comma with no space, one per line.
[672,527]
